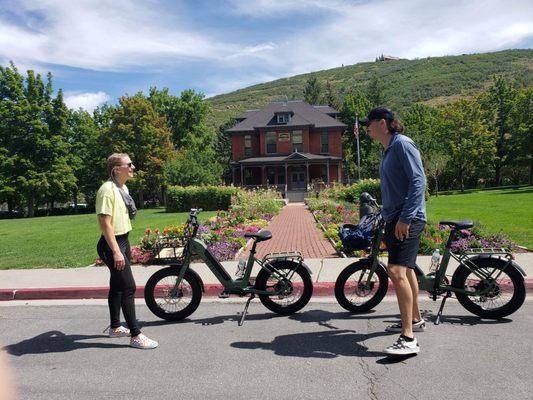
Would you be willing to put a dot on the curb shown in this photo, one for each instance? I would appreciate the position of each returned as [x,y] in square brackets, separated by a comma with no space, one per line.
[320,289]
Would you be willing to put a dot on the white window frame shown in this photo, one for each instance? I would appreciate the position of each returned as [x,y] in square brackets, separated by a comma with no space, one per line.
[294,144]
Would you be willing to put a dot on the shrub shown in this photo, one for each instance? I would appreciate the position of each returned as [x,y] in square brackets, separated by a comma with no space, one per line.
[351,193]
[209,198]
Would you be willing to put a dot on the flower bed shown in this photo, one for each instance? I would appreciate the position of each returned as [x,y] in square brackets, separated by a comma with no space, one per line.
[249,212]
[332,214]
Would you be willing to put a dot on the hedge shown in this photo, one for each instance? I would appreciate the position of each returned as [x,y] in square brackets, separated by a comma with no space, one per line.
[208,198]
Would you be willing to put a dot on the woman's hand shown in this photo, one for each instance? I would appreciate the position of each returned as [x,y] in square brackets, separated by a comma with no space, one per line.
[401,231]
[118,258]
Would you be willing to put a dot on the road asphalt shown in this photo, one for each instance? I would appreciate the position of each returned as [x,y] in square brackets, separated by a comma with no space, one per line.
[59,352]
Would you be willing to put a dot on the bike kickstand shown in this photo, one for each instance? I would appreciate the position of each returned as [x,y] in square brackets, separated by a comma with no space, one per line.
[241,321]
[439,314]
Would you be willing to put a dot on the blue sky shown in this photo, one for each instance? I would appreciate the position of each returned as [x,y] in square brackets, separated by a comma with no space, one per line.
[99,50]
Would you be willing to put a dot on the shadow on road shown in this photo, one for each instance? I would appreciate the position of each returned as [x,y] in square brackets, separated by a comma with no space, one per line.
[325,344]
[57,342]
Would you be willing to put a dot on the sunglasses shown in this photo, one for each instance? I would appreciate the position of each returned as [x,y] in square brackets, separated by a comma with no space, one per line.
[129,165]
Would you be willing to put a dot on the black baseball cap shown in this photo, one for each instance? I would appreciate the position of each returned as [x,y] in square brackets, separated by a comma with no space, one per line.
[376,114]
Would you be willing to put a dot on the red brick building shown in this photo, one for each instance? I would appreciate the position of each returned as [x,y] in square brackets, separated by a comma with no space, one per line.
[288,144]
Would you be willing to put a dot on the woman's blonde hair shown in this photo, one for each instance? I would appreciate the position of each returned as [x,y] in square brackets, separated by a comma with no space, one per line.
[115,160]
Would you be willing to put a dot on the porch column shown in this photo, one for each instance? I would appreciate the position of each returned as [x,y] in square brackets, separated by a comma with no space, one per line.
[263,177]
[339,177]
[233,175]
[327,172]
[286,177]
[242,175]
[307,175]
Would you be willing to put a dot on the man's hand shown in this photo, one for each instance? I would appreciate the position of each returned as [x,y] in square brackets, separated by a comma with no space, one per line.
[118,258]
[401,231]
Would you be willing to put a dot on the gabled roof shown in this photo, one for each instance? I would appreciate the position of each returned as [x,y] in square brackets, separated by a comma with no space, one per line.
[303,114]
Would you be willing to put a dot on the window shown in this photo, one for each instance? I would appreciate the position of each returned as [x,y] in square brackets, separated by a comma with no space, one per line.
[324,142]
[271,142]
[283,118]
[247,145]
[297,141]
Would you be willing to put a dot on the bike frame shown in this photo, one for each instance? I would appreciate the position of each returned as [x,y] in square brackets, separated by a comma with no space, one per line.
[434,283]
[197,248]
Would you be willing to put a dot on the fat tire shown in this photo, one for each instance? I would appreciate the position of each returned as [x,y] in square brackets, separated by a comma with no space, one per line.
[373,301]
[261,282]
[461,274]
[149,297]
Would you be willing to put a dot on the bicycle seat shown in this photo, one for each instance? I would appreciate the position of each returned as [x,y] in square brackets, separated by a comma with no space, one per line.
[464,224]
[259,236]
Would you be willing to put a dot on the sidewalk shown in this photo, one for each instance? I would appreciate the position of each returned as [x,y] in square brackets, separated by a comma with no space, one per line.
[295,229]
[92,282]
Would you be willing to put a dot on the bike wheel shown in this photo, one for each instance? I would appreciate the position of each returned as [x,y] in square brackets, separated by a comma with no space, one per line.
[171,302]
[506,295]
[352,292]
[295,297]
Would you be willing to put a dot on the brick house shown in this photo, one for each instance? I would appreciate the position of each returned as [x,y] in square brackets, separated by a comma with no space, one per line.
[288,144]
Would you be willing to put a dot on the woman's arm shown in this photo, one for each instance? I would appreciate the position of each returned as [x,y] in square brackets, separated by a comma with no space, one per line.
[109,234]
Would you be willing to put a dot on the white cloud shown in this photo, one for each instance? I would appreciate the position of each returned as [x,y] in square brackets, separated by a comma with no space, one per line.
[105,35]
[87,101]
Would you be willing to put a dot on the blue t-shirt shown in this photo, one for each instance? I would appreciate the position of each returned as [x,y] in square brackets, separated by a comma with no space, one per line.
[403,182]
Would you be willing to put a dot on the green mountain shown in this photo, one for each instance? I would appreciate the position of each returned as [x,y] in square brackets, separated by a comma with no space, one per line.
[431,80]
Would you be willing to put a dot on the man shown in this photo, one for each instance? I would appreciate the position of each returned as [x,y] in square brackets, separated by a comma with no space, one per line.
[403,185]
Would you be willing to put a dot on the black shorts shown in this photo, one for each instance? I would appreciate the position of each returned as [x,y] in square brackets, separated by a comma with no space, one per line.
[403,252]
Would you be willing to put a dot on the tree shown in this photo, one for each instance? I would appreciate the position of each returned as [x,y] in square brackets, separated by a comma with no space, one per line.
[470,144]
[87,155]
[184,114]
[34,153]
[312,90]
[357,104]
[374,92]
[330,97]
[497,103]
[521,120]
[223,149]
[136,129]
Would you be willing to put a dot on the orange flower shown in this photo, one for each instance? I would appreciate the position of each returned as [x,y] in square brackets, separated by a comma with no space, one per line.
[148,231]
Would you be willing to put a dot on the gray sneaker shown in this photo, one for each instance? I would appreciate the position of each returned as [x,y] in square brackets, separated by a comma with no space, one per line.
[142,342]
[419,326]
[402,347]
[119,332]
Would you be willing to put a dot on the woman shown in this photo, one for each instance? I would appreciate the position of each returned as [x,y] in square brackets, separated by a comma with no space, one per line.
[113,207]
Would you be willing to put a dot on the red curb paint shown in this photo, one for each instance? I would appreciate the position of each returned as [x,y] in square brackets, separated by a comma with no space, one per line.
[211,290]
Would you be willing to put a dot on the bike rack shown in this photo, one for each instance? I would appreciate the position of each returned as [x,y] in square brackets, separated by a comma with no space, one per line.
[284,255]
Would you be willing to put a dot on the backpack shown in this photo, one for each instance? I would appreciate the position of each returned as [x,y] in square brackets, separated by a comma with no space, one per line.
[359,237]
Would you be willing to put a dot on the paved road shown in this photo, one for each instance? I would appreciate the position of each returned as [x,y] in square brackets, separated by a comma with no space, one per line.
[58,352]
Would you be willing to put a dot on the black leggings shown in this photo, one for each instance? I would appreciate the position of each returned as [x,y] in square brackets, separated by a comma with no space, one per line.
[121,284]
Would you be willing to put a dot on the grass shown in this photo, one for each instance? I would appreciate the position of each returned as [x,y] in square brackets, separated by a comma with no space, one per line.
[508,210]
[68,241]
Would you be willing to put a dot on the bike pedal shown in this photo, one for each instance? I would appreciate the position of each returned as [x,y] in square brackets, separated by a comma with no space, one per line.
[223,295]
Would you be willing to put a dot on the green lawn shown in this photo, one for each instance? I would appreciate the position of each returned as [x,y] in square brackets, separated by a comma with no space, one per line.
[68,241]
[509,210]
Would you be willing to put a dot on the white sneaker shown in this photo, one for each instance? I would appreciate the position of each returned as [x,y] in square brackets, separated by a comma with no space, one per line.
[402,347]
[142,342]
[119,332]
[419,326]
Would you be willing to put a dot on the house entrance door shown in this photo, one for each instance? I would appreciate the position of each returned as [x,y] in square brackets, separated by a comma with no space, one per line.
[298,178]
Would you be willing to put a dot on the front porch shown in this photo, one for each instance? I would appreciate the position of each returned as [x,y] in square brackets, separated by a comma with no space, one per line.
[288,174]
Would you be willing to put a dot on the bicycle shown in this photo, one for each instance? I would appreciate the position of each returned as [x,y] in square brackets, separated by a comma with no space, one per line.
[283,283]
[487,282]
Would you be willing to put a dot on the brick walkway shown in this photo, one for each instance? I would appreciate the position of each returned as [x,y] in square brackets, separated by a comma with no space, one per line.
[295,229]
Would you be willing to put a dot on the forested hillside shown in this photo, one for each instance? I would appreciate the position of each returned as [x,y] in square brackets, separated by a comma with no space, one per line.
[432,80]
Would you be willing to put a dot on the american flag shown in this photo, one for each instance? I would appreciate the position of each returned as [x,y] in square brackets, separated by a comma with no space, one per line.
[356,128]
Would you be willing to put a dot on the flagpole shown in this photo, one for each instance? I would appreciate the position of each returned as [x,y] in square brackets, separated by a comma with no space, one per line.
[356,129]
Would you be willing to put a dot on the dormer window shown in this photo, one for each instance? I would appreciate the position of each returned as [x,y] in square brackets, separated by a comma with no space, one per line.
[284,118]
